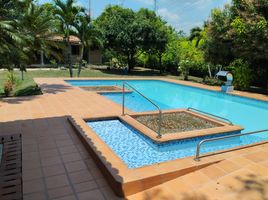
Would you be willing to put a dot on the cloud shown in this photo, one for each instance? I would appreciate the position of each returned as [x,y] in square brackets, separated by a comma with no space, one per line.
[167,15]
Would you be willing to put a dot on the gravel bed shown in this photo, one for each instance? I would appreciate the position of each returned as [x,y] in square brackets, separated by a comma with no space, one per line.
[175,122]
[100,88]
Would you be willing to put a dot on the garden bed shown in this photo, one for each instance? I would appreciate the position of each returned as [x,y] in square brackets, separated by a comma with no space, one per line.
[100,88]
[175,122]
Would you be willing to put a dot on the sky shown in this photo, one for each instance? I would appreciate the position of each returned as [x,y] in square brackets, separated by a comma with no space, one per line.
[181,14]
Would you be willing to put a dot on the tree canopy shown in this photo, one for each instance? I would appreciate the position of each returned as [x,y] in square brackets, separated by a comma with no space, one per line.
[233,38]
[128,33]
[240,31]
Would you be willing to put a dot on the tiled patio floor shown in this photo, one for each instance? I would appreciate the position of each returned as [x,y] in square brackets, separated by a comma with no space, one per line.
[57,166]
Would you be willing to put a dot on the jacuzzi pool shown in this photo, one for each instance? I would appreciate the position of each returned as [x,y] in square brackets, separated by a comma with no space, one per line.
[137,150]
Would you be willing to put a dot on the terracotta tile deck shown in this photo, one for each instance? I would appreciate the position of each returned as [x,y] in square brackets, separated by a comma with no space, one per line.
[57,166]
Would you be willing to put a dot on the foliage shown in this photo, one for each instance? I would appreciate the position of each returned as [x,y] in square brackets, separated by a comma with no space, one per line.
[88,34]
[236,35]
[10,83]
[154,42]
[195,34]
[218,45]
[8,87]
[184,68]
[212,81]
[12,78]
[25,29]
[120,32]
[67,13]
[242,74]
[128,33]
[28,90]
[187,50]
[171,56]
[240,31]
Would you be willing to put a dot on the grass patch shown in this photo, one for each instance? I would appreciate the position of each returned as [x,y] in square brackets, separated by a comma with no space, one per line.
[28,86]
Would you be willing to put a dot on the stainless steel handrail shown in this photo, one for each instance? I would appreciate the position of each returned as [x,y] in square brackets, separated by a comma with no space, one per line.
[160,111]
[197,155]
[222,118]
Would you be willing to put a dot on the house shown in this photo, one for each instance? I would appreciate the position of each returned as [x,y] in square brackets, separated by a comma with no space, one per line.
[92,56]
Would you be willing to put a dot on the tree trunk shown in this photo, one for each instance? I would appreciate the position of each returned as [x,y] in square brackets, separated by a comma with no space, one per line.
[21,72]
[209,71]
[80,61]
[131,62]
[69,60]
[185,76]
[160,62]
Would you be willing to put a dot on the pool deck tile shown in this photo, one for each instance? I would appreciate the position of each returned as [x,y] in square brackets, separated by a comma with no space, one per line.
[50,146]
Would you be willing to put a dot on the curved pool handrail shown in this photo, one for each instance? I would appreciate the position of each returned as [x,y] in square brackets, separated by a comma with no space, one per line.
[213,115]
[159,109]
[197,155]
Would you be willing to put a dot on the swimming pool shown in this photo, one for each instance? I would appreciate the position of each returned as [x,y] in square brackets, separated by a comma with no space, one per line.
[248,113]
[137,150]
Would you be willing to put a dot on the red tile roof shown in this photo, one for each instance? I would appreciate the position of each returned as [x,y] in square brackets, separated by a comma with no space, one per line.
[73,39]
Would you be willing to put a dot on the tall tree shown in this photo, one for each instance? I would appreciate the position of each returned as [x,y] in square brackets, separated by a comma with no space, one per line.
[25,30]
[38,24]
[88,34]
[10,33]
[154,38]
[130,33]
[121,32]
[67,13]
[240,31]
[218,45]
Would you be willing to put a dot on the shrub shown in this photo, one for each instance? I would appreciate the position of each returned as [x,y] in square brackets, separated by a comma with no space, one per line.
[184,68]
[242,74]
[10,83]
[12,78]
[212,81]
[29,90]
[8,87]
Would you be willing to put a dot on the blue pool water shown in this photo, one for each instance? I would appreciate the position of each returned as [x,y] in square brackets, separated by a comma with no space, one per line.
[248,113]
[136,150]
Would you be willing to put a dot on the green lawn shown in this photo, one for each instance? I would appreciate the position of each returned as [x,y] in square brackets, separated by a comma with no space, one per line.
[28,86]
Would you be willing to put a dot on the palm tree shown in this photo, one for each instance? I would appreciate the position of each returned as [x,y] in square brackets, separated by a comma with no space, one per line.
[67,13]
[88,34]
[25,28]
[37,23]
[10,34]
[196,34]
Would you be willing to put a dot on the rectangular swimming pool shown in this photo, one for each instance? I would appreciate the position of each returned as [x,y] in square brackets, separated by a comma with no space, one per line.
[248,113]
